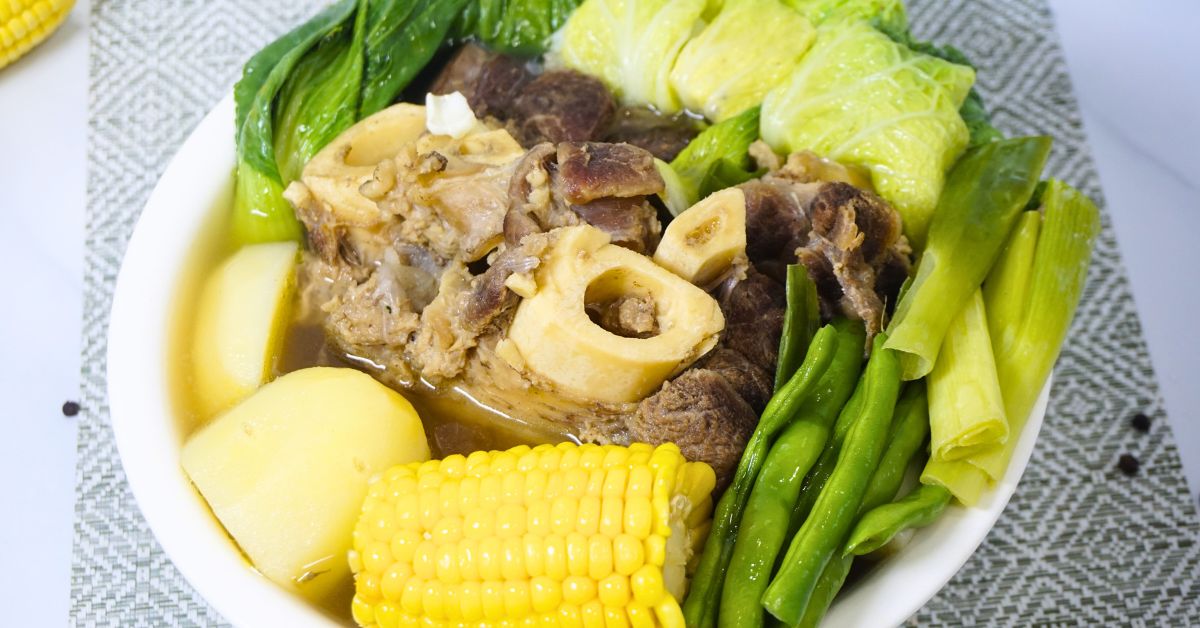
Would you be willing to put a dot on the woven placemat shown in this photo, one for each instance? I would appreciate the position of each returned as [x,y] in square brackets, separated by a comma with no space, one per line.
[1080,543]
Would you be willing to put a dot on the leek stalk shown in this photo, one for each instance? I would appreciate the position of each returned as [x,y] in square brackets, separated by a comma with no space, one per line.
[1030,339]
[983,197]
[1030,298]
[966,411]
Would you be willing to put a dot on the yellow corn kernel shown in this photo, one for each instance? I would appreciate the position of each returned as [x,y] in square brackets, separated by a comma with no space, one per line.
[570,535]
[577,554]
[615,618]
[610,516]
[628,554]
[578,590]
[446,564]
[469,605]
[588,519]
[26,23]
[394,579]
[600,559]
[592,614]
[468,564]
[510,521]
[513,565]
[432,598]
[387,615]
[492,594]
[614,591]
[545,594]
[639,516]
[535,555]
[516,599]
[639,615]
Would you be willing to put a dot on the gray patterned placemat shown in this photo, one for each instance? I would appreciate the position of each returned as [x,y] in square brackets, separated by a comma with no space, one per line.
[1080,543]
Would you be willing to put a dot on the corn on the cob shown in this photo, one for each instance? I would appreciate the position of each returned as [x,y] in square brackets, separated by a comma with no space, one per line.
[556,535]
[25,23]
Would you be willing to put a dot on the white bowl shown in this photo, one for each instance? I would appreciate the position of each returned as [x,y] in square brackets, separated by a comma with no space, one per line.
[197,183]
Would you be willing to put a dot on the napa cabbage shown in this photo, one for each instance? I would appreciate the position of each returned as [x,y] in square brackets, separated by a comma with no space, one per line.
[630,45]
[861,98]
[889,14]
[748,48]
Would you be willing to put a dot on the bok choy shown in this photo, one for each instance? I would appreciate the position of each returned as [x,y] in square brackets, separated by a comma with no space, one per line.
[519,27]
[303,89]
[714,160]
[260,214]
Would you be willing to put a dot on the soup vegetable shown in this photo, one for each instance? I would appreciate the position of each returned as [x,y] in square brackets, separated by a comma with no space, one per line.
[587,312]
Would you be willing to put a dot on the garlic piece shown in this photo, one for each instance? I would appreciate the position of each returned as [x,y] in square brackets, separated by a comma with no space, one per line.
[449,115]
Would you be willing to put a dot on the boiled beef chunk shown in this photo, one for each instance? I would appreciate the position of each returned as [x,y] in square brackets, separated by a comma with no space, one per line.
[752,382]
[591,170]
[662,135]
[489,81]
[775,220]
[702,413]
[632,222]
[754,311]
[561,106]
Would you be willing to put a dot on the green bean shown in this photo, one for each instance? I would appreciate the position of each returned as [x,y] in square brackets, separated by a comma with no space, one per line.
[799,325]
[919,508]
[764,524]
[824,532]
[819,475]
[700,606]
[908,434]
[763,527]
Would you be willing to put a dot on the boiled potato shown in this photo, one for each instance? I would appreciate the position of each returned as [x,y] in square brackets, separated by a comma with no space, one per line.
[240,321]
[286,471]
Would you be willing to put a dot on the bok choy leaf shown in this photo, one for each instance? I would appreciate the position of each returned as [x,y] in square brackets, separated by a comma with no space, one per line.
[302,90]
[260,213]
[715,159]
[519,27]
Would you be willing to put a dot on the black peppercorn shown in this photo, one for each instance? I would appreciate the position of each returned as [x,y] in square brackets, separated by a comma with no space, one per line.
[70,408]
[1140,422]
[1128,464]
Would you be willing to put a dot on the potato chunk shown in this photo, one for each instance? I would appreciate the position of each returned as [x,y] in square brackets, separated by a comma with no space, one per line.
[286,471]
[240,321]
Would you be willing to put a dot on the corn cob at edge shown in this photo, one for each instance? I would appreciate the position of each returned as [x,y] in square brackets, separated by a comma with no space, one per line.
[25,23]
[555,535]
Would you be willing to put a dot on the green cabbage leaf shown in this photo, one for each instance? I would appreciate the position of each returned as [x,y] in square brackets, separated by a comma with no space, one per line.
[630,45]
[748,48]
[859,97]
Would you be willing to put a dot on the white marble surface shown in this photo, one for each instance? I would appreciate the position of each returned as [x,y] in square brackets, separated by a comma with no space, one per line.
[1134,72]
